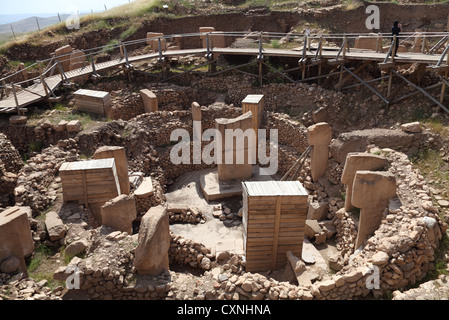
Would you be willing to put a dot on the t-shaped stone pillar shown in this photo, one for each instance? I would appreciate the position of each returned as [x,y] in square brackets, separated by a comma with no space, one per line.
[371,193]
[196,117]
[356,161]
[154,242]
[119,155]
[15,235]
[236,144]
[319,136]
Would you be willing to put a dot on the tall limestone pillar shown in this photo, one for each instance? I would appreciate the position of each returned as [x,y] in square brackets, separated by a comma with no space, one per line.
[319,137]
[121,164]
[356,161]
[371,193]
[237,147]
[154,242]
[196,118]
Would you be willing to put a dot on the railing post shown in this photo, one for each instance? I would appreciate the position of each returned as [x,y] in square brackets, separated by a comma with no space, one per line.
[126,56]
[3,89]
[378,44]
[260,60]
[62,73]
[260,46]
[394,47]
[304,48]
[321,46]
[443,88]
[24,73]
[446,51]
[42,78]
[320,50]
[345,43]
[207,46]
[92,62]
[161,58]
[303,58]
[159,48]
[121,51]
[424,44]
[15,98]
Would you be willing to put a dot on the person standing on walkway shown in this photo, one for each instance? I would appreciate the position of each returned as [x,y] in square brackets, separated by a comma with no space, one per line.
[395,32]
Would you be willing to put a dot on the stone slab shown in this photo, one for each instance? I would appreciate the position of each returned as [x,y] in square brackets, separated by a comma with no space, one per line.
[145,189]
[214,189]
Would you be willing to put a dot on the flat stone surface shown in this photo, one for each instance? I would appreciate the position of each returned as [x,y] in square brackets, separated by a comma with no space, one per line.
[214,234]
[310,253]
[145,189]
[18,120]
[214,189]
[443,203]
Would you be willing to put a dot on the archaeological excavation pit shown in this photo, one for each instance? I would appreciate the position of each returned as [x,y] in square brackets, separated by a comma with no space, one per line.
[132,189]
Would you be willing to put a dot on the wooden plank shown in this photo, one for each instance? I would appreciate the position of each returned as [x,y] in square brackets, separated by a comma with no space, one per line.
[85,191]
[289,205]
[283,226]
[276,231]
[283,220]
[273,235]
[271,213]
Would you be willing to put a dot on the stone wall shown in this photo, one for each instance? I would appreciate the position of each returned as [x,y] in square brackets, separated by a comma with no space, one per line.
[9,156]
[10,164]
[143,204]
[36,185]
[403,246]
[29,139]
[127,102]
[107,272]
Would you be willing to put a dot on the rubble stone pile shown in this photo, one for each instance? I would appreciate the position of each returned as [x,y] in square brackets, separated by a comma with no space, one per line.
[36,185]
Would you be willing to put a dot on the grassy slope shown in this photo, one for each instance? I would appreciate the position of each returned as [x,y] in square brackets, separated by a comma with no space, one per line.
[130,16]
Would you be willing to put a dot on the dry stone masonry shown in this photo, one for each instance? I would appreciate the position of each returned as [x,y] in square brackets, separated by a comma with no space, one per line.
[123,246]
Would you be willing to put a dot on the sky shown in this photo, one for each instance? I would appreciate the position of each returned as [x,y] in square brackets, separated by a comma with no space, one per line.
[36,7]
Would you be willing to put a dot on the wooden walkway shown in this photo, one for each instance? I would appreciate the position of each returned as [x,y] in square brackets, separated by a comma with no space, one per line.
[36,92]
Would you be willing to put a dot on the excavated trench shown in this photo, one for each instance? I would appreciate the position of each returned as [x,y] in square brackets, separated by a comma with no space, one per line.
[402,247]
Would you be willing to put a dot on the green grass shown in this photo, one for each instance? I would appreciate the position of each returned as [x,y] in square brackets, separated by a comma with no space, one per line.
[352,4]
[38,265]
[111,46]
[135,9]
[41,253]
[130,31]
[101,24]
[16,63]
[437,126]
[61,107]
[124,16]
[433,167]
[256,3]
[275,44]
[126,133]
[36,146]
[418,114]
[84,118]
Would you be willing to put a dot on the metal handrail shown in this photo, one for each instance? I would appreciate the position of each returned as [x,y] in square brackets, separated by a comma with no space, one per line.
[264,35]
